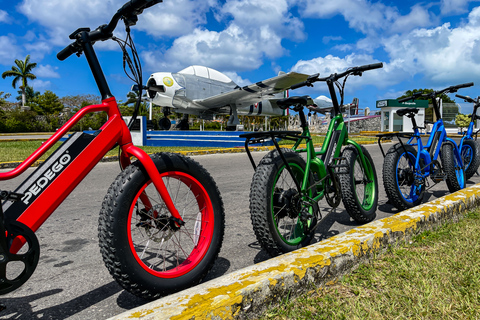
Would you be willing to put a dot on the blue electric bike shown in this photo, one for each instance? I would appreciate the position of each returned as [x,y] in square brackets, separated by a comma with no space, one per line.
[469,146]
[406,168]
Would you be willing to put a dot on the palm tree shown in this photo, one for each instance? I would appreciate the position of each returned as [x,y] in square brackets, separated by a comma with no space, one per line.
[22,71]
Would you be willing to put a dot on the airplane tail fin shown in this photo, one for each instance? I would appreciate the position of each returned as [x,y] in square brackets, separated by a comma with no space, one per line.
[284,94]
[355,105]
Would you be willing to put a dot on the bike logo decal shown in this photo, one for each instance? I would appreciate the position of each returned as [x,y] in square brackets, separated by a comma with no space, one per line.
[45,179]
[168,81]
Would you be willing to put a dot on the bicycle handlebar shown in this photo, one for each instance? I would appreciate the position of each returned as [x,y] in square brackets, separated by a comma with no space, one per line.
[466,98]
[356,71]
[437,93]
[412,97]
[105,32]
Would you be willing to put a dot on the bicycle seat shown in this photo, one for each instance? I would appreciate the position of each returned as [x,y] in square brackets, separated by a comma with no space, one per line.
[294,101]
[404,111]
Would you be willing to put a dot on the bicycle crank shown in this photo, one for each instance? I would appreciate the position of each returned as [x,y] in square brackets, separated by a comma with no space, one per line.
[16,269]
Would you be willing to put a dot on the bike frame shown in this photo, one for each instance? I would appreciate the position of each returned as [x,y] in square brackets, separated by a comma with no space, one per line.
[317,162]
[430,151]
[44,190]
[469,133]
[336,137]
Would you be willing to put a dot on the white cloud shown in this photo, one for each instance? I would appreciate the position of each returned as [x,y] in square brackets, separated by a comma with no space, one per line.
[46,71]
[455,6]
[367,17]
[4,17]
[327,39]
[174,18]
[255,30]
[230,49]
[238,79]
[9,50]
[443,54]
[40,85]
[331,64]
[62,17]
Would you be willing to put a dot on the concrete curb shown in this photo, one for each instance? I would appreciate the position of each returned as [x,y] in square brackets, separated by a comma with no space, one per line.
[245,293]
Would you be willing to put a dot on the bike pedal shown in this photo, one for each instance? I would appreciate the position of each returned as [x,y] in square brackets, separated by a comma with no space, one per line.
[9,195]
[439,177]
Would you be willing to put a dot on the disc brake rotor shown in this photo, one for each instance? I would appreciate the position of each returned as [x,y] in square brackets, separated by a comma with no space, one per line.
[332,191]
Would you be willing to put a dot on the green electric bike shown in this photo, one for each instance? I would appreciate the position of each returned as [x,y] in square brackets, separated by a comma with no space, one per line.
[287,187]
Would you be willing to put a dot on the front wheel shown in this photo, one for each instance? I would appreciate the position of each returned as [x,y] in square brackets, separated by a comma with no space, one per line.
[471,157]
[403,187]
[452,165]
[359,185]
[144,248]
[282,219]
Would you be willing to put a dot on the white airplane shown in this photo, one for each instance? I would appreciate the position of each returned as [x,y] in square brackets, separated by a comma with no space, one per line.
[205,92]
[324,104]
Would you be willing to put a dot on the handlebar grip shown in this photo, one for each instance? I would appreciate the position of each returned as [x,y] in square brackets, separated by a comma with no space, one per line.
[464,98]
[67,52]
[406,99]
[370,66]
[136,5]
[465,85]
[299,85]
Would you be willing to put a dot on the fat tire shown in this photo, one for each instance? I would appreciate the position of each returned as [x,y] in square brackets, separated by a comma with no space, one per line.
[350,199]
[451,169]
[472,167]
[261,210]
[390,183]
[114,222]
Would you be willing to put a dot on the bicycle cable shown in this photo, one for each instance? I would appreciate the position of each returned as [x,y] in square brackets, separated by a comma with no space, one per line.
[131,60]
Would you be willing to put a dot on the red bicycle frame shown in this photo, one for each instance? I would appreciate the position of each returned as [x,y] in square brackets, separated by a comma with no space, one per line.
[56,178]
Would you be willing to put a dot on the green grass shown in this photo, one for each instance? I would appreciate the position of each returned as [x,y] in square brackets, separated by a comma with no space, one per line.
[20,150]
[435,276]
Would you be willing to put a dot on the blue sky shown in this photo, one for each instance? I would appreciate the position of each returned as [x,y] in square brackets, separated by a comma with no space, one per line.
[422,44]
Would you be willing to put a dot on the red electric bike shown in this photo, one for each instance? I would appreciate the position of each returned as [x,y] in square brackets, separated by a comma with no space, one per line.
[161,224]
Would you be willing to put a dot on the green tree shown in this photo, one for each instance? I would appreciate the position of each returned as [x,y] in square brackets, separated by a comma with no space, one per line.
[47,103]
[3,98]
[462,120]
[21,72]
[409,93]
[429,111]
[30,95]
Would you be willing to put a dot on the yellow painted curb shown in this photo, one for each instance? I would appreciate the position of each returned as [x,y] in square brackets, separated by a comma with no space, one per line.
[245,293]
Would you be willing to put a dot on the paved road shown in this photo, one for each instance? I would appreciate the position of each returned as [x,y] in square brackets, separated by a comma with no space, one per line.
[71,280]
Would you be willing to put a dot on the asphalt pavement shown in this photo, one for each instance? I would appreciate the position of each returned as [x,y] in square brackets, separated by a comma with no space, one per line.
[71,281]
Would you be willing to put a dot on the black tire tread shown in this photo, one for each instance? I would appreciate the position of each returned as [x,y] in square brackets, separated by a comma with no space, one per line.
[259,200]
[473,167]
[448,162]
[349,197]
[107,218]
[390,177]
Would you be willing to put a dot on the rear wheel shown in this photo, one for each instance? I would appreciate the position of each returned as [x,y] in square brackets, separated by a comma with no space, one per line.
[146,250]
[282,220]
[451,163]
[359,185]
[471,157]
[403,189]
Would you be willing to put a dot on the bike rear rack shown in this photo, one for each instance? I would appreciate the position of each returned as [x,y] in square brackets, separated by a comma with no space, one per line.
[261,136]
[398,135]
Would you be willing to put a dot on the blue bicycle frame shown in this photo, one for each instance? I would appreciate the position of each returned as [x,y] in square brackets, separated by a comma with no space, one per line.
[430,152]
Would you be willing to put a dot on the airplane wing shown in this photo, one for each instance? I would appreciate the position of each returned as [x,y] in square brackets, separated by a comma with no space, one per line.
[255,92]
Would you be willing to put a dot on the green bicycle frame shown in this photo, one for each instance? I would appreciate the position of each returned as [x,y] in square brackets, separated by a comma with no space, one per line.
[317,161]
